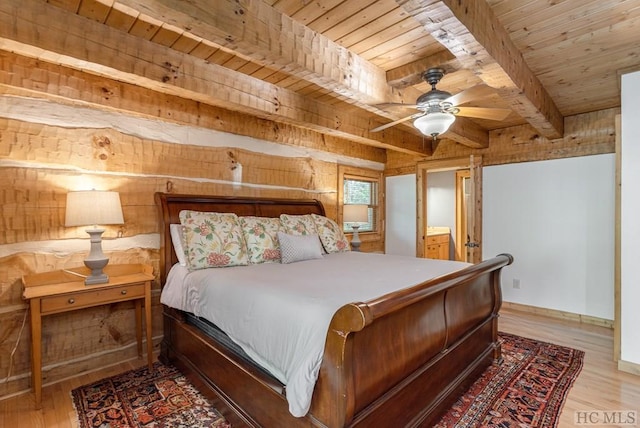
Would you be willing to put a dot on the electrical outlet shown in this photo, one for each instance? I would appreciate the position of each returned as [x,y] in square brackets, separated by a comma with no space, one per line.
[516,283]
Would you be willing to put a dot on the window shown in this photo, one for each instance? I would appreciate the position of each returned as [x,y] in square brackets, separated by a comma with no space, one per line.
[359,191]
[362,187]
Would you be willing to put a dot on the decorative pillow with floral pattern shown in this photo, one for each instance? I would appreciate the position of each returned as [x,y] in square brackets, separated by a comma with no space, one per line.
[261,236]
[298,224]
[331,235]
[213,240]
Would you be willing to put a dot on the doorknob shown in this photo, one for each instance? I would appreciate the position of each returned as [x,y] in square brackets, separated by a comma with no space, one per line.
[471,244]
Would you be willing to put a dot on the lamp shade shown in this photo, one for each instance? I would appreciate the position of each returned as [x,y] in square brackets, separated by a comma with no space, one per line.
[434,124]
[356,213]
[93,207]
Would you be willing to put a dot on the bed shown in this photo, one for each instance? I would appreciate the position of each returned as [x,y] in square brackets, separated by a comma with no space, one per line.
[398,359]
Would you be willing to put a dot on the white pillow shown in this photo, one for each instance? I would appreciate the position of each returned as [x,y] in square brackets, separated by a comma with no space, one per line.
[177,239]
[295,248]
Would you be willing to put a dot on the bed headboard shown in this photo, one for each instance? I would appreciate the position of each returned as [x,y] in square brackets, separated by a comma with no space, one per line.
[170,205]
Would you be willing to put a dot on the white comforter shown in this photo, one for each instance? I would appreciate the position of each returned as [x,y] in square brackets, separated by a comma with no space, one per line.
[280,313]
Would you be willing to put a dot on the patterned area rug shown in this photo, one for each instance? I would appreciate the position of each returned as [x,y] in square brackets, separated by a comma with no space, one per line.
[160,399]
[527,390]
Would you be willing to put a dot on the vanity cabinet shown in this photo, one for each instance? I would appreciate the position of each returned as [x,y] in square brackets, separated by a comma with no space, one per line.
[438,246]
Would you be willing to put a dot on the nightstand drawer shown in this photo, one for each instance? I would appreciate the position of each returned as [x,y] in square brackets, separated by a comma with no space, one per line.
[90,298]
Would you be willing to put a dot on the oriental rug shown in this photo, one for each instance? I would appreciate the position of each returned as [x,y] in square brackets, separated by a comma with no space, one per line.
[527,389]
[162,398]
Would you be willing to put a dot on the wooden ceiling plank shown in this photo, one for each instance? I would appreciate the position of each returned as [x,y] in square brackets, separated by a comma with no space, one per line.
[594,44]
[389,44]
[70,5]
[335,16]
[539,19]
[263,72]
[95,48]
[313,9]
[249,68]
[370,13]
[167,35]
[475,36]
[204,50]
[145,26]
[98,10]
[234,63]
[122,17]
[397,18]
[186,43]
[288,7]
[221,56]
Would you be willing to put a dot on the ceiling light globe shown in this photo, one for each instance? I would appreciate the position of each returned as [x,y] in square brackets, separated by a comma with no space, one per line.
[434,124]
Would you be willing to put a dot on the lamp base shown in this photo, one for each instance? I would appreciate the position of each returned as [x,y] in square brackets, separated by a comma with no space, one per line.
[355,239]
[96,261]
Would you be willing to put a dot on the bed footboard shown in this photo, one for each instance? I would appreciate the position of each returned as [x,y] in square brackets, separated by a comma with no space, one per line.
[401,359]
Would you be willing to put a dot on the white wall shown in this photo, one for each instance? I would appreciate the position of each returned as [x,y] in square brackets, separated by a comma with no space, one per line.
[630,212]
[556,218]
[400,230]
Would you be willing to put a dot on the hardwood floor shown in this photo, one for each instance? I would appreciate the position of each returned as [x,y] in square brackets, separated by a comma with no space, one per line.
[600,386]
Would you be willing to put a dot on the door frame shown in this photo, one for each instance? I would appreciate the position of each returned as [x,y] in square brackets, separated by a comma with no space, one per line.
[474,164]
[461,214]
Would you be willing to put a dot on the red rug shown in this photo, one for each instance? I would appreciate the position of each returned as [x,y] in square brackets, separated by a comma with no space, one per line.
[162,398]
[527,390]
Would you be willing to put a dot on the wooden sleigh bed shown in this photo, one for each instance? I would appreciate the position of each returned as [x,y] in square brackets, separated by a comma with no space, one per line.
[399,360]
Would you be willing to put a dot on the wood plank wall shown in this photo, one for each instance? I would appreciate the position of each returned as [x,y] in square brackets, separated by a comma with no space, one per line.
[51,143]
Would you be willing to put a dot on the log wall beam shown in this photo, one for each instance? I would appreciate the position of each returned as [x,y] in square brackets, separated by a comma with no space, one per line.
[28,77]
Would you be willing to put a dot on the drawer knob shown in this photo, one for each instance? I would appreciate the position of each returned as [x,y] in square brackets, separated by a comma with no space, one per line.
[123,292]
[72,301]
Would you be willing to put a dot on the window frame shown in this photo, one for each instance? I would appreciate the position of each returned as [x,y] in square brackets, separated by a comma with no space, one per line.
[363,174]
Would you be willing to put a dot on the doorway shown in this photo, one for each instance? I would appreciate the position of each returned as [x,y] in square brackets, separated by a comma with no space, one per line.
[468,212]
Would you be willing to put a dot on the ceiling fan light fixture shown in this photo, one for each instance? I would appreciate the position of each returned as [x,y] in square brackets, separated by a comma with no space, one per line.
[434,124]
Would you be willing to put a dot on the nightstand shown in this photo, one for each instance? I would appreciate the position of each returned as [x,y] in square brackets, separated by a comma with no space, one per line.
[64,290]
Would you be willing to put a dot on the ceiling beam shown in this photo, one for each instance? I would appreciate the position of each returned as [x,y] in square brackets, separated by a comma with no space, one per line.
[411,74]
[473,34]
[38,30]
[260,33]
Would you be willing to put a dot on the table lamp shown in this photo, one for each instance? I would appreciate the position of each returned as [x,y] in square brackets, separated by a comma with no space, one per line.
[355,214]
[94,207]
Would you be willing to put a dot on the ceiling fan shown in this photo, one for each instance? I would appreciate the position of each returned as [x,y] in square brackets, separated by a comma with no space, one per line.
[437,109]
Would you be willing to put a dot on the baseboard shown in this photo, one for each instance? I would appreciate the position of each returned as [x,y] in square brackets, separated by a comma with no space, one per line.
[629,367]
[554,313]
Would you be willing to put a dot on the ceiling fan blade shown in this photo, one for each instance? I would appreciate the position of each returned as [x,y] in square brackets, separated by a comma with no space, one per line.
[395,122]
[473,93]
[484,112]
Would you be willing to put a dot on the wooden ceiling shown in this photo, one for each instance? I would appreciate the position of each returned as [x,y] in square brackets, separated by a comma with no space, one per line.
[325,65]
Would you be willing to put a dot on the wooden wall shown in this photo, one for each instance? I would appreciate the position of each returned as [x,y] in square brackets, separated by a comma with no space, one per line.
[51,145]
